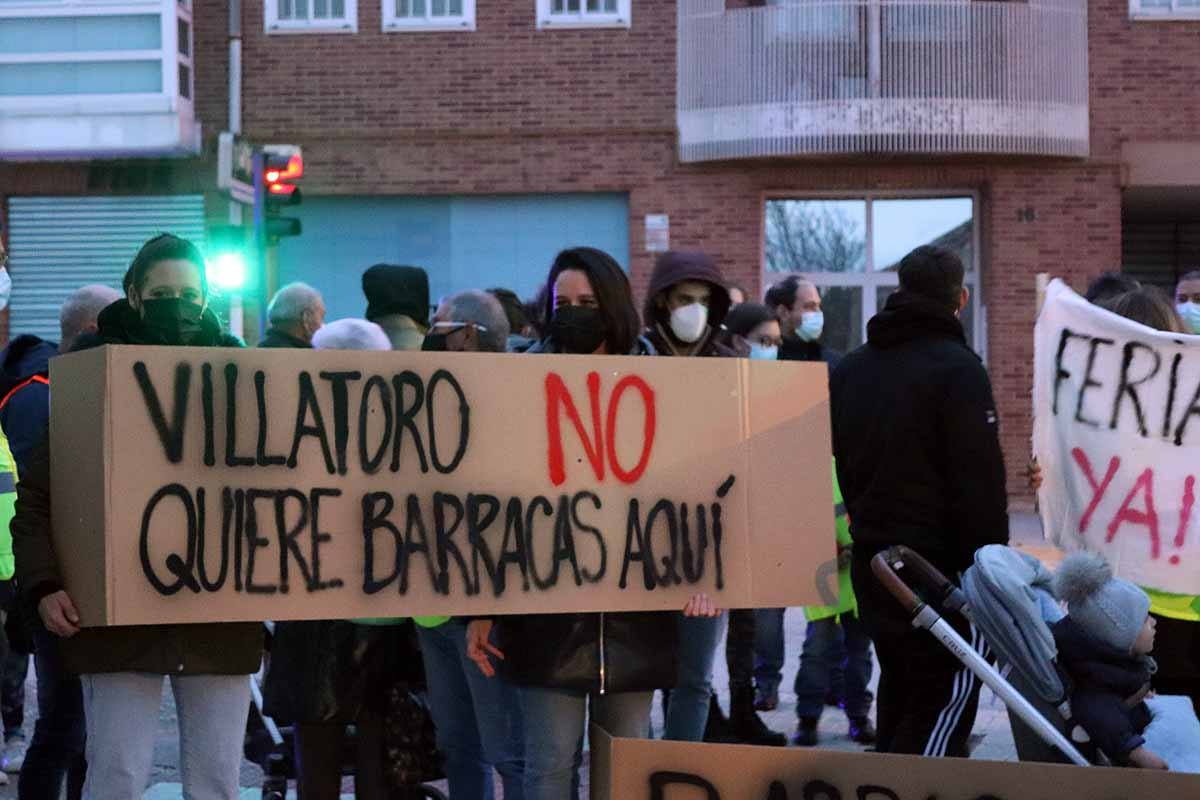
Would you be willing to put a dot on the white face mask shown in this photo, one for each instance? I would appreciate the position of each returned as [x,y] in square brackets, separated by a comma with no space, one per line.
[689,322]
[1191,315]
[811,325]
[760,353]
[5,288]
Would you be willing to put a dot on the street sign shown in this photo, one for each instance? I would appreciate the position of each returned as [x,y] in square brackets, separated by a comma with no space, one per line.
[235,167]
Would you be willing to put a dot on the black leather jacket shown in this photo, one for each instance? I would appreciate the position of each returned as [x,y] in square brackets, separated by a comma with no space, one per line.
[601,653]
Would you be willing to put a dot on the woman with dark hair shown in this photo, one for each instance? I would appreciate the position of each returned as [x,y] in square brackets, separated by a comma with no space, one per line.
[753,327]
[588,306]
[566,663]
[122,668]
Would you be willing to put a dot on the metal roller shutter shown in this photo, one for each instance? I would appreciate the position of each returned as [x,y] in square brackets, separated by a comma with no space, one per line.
[57,244]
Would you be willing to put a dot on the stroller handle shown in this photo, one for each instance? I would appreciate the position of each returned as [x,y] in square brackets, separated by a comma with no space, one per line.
[885,565]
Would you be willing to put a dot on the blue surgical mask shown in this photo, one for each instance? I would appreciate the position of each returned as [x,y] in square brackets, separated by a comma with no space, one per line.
[811,325]
[760,352]
[1191,315]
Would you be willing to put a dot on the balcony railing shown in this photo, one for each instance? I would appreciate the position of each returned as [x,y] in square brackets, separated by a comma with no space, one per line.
[812,77]
[89,78]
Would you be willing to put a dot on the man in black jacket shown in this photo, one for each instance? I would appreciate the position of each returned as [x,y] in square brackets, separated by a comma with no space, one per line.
[919,462]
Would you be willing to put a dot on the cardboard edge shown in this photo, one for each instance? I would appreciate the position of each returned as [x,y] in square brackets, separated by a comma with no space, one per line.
[84,405]
[107,440]
[809,417]
[600,766]
[747,409]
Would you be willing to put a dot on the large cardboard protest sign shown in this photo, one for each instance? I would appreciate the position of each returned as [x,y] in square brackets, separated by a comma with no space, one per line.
[638,769]
[195,485]
[1117,432]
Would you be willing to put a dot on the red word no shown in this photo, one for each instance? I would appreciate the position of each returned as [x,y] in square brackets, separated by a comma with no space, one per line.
[603,437]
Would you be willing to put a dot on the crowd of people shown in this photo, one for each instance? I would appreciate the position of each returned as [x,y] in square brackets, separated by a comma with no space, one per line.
[917,461]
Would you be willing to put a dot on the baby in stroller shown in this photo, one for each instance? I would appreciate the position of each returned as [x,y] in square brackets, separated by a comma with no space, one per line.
[1104,644]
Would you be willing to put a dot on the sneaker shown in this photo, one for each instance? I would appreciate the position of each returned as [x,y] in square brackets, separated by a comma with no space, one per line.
[14,754]
[861,730]
[766,699]
[806,732]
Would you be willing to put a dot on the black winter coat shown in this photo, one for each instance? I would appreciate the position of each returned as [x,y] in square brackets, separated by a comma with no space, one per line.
[796,349]
[1104,679]
[281,339]
[917,447]
[25,407]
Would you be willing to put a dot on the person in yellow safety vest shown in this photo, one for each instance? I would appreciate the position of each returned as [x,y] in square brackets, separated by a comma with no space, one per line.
[8,501]
[835,639]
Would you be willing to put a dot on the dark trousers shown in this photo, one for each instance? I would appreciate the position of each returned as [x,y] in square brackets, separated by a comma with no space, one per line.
[57,748]
[320,753]
[927,698]
[834,646]
[739,648]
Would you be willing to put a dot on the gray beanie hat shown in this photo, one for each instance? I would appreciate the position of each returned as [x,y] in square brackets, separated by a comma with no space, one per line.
[1110,609]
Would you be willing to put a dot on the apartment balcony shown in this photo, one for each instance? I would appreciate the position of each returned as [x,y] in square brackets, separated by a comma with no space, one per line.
[95,79]
[920,77]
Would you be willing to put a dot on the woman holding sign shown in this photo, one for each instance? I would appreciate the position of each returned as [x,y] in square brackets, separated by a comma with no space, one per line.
[565,662]
[122,668]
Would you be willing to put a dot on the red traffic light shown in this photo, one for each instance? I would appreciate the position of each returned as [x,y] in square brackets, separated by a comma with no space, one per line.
[292,169]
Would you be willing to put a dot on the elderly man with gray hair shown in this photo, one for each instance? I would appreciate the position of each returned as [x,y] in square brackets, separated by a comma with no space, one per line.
[295,313]
[471,321]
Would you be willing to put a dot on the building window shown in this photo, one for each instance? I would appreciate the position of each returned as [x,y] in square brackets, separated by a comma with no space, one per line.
[311,16]
[1164,9]
[583,14]
[851,247]
[429,15]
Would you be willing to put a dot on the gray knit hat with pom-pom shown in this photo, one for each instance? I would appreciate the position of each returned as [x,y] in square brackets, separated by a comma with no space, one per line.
[1110,609]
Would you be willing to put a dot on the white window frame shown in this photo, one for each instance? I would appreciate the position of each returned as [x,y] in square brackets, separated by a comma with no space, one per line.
[1139,12]
[394,24]
[546,21]
[167,56]
[272,24]
[869,280]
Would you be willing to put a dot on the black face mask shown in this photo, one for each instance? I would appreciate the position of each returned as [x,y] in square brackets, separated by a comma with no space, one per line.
[172,320]
[578,329]
[434,342]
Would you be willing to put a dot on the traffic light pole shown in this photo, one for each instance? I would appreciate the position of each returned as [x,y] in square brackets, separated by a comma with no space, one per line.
[260,238]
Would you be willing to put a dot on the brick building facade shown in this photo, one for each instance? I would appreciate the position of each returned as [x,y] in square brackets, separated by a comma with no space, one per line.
[508,108]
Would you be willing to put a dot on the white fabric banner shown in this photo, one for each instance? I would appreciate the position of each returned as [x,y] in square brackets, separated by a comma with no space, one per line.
[1117,433]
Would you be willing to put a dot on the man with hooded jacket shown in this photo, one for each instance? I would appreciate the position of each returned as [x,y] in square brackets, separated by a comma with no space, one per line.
[919,463]
[684,310]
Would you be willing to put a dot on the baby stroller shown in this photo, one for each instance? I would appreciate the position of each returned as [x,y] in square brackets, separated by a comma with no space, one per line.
[1007,595]
[271,746]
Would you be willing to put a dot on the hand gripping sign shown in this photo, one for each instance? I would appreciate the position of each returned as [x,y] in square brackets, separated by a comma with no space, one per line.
[194,485]
[1117,432]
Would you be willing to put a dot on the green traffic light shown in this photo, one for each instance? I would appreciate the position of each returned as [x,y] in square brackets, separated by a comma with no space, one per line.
[227,271]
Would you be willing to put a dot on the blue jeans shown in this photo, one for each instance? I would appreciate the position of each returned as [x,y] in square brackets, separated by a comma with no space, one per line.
[554,727]
[824,643]
[478,719]
[687,713]
[768,648]
[56,749]
[769,656]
